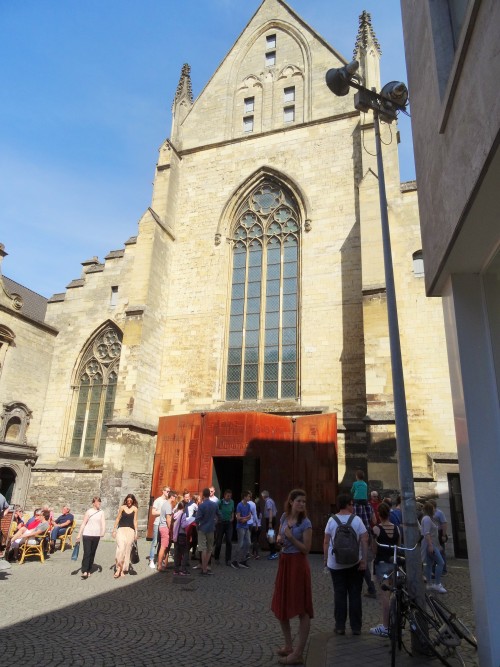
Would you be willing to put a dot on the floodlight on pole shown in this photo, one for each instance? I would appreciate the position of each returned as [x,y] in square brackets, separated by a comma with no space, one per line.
[385,105]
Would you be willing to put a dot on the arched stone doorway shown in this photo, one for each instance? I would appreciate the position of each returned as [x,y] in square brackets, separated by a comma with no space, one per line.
[7,482]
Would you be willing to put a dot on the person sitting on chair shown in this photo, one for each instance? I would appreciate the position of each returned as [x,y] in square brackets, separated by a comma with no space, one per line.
[61,526]
[29,534]
[31,524]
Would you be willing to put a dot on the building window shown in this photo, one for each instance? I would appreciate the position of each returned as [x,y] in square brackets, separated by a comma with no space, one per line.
[289,114]
[14,421]
[270,58]
[114,296]
[95,393]
[6,339]
[271,42]
[249,104]
[418,264]
[263,328]
[289,94]
[248,124]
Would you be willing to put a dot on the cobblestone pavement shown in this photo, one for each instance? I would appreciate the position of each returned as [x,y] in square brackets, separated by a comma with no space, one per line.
[49,616]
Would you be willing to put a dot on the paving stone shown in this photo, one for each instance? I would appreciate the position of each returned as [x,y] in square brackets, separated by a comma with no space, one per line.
[49,616]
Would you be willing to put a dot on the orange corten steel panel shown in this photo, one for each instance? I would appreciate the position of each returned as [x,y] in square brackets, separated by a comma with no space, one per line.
[316,468]
[293,452]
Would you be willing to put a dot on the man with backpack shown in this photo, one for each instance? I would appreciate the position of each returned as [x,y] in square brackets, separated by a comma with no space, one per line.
[345,550]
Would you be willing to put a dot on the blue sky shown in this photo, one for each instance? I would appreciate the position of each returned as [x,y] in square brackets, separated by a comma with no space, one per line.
[87,93]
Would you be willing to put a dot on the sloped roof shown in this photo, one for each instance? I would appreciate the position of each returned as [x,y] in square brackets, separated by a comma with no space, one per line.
[34,305]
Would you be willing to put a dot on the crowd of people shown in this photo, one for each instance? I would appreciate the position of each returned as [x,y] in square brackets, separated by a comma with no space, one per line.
[197,526]
[376,521]
[42,523]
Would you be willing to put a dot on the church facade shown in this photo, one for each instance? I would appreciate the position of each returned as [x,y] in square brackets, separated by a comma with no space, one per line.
[250,302]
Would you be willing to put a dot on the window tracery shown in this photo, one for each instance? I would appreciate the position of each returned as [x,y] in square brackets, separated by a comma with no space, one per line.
[263,335]
[95,393]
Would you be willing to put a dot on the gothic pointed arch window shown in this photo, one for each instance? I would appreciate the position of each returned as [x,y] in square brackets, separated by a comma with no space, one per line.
[95,392]
[263,328]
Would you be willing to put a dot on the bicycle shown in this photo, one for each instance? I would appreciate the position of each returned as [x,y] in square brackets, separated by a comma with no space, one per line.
[439,631]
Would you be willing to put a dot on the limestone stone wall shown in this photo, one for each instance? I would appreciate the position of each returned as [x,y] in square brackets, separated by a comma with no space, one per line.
[24,373]
[56,488]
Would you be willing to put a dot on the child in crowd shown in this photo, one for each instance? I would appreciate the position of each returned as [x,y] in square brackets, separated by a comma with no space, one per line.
[359,489]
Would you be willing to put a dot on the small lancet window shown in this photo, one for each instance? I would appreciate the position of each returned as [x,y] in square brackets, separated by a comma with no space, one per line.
[271,42]
[418,264]
[271,59]
[248,124]
[249,104]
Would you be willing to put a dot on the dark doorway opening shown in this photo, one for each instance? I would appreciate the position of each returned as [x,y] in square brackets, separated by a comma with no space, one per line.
[238,473]
[7,482]
[457,515]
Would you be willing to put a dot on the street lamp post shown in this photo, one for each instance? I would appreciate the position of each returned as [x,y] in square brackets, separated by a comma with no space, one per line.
[385,105]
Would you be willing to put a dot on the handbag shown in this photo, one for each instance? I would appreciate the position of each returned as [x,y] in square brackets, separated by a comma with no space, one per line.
[134,554]
[76,551]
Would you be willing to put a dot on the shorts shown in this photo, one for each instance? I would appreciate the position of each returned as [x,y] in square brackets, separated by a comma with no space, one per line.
[205,541]
[164,536]
[383,568]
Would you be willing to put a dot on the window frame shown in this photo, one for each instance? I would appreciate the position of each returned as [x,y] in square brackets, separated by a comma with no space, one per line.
[271,55]
[257,358]
[99,365]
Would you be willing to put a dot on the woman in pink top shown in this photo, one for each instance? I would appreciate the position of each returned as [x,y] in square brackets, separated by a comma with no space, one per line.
[92,529]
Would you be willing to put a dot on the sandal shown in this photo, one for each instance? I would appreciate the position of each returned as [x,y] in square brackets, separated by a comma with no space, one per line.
[117,574]
[284,651]
[291,660]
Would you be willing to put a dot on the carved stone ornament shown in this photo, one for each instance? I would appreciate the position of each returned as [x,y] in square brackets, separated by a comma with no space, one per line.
[218,238]
[307,226]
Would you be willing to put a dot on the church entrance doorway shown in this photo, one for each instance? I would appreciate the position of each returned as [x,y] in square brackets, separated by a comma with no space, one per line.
[275,453]
[238,473]
[7,482]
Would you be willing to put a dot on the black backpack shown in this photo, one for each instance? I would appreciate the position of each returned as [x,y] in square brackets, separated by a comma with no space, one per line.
[345,544]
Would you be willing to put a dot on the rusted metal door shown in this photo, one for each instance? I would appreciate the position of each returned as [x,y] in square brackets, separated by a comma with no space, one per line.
[293,452]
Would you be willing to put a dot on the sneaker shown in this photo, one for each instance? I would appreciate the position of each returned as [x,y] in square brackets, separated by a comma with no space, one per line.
[439,588]
[196,567]
[152,565]
[429,587]
[379,631]
[235,565]
[243,564]
[273,556]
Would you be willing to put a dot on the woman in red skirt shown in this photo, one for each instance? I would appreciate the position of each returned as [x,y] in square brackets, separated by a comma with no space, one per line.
[292,588]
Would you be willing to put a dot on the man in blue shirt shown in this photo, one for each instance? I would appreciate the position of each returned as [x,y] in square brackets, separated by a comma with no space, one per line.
[243,516]
[61,526]
[206,516]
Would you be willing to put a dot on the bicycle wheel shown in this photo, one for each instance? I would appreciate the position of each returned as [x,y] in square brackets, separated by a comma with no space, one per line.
[394,627]
[435,637]
[453,621]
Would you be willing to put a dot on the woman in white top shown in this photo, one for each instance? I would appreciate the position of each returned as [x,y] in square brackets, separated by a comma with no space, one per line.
[92,529]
